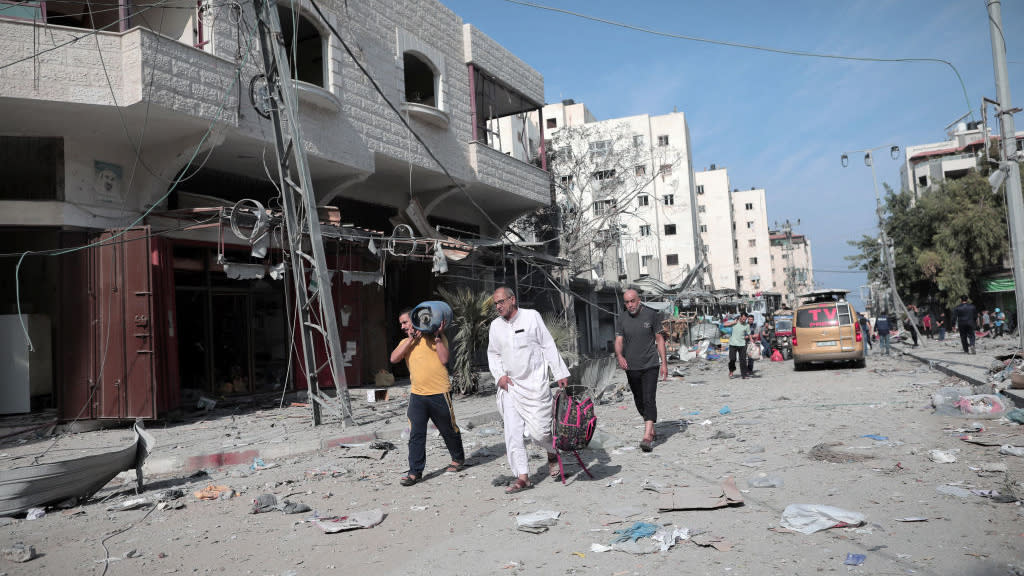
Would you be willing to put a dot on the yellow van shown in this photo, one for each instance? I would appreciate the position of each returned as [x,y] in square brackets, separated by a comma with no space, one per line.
[826,330]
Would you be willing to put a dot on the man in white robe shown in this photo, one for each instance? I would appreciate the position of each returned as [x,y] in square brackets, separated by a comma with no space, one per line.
[519,353]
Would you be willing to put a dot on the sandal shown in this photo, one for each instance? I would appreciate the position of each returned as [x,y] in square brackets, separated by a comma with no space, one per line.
[409,479]
[455,467]
[646,445]
[553,470]
[518,486]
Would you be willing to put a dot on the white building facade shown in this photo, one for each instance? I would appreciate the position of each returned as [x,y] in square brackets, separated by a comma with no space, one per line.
[928,165]
[715,224]
[792,265]
[750,240]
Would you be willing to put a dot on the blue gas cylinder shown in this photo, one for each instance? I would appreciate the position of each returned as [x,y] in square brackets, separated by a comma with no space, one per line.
[427,317]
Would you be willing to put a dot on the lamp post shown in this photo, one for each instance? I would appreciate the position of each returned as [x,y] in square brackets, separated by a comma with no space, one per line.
[887,257]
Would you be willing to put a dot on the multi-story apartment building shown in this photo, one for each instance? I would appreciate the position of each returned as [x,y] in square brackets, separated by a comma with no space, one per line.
[928,165]
[750,240]
[653,233]
[715,224]
[153,115]
[792,265]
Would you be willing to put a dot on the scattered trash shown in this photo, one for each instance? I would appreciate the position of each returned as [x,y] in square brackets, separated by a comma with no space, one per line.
[537,522]
[165,495]
[258,464]
[212,492]
[595,547]
[1012,450]
[854,559]
[35,513]
[710,540]
[635,532]
[355,521]
[381,445]
[268,503]
[811,518]
[982,405]
[132,504]
[702,497]
[763,480]
[722,435]
[875,437]
[953,491]
[942,456]
[668,537]
[170,505]
[725,410]
[1016,415]
[19,552]
[912,519]
[205,403]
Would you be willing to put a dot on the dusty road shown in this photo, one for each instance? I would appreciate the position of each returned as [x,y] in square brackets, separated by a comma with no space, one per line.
[807,428]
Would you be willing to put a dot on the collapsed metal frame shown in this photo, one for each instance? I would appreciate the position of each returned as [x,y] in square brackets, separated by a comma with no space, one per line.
[315,305]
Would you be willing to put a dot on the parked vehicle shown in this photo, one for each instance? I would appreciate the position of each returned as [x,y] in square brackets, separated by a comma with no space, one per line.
[826,330]
[782,335]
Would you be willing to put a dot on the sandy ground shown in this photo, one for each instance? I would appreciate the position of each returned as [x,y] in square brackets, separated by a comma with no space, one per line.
[462,524]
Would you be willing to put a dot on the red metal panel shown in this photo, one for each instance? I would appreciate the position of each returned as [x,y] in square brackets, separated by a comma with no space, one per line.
[346,302]
[76,335]
[124,324]
[165,326]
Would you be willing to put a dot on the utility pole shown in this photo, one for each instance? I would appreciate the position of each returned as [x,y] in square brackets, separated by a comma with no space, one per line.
[314,301]
[1008,164]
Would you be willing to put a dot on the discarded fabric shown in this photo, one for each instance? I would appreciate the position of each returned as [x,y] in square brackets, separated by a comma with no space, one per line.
[811,518]
[875,437]
[212,492]
[537,522]
[635,532]
[362,519]
[942,456]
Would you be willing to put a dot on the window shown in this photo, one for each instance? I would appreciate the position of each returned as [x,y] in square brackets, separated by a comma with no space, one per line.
[645,229]
[672,259]
[645,260]
[638,140]
[739,279]
[420,80]
[305,48]
[700,189]
[551,123]
[663,140]
[733,226]
[702,209]
[600,148]
[669,199]
[643,200]
[704,228]
[784,256]
[604,207]
[640,170]
[602,175]
[752,242]
[670,229]
[33,169]
[750,224]
[922,180]
[753,259]
[665,170]
[735,244]
[749,206]
[565,181]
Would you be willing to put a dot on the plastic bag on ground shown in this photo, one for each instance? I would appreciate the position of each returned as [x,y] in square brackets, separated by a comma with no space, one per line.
[811,518]
[982,405]
[777,356]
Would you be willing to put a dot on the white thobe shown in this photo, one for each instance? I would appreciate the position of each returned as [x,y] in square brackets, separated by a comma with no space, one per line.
[523,350]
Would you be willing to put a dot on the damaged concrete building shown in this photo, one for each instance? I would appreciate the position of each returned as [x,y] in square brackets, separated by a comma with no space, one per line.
[130,134]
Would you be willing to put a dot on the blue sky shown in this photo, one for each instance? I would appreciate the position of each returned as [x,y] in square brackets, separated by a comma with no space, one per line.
[776,122]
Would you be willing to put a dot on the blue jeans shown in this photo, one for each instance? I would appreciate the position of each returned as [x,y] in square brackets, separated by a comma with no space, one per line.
[883,343]
[438,409]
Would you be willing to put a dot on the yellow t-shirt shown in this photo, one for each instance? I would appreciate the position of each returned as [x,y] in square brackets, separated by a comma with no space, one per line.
[427,373]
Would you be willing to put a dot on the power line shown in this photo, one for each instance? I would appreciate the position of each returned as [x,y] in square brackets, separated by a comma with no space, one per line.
[731,44]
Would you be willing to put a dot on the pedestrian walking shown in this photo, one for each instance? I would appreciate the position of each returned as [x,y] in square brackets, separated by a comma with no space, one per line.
[738,345]
[986,321]
[429,396]
[926,323]
[882,329]
[519,354]
[940,323]
[911,321]
[640,351]
[865,332]
[965,315]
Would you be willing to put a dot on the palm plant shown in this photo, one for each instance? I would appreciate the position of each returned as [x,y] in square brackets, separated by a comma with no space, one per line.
[472,313]
[564,335]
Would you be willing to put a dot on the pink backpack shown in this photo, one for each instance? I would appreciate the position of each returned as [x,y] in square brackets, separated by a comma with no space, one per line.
[572,427]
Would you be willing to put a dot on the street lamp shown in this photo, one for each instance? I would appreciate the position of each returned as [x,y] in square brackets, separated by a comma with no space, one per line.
[887,259]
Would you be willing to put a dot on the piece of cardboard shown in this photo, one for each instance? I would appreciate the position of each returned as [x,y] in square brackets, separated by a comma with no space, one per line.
[701,497]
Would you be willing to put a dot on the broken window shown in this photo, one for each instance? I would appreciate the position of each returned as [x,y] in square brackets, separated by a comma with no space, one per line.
[420,80]
[305,47]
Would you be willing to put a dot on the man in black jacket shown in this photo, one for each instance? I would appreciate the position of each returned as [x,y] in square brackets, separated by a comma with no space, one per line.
[965,315]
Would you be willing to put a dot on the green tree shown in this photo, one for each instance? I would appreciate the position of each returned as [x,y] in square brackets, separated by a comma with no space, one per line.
[472,313]
[943,242]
